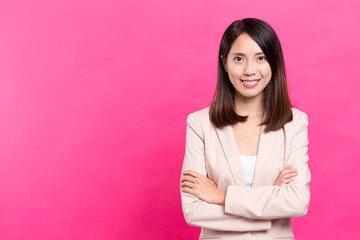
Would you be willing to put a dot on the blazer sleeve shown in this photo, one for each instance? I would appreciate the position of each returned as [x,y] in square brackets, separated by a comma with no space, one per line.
[272,202]
[199,213]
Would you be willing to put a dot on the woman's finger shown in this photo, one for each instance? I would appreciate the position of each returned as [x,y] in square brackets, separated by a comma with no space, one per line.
[290,175]
[188,178]
[286,175]
[188,184]
[187,190]
[191,173]
[289,180]
[287,171]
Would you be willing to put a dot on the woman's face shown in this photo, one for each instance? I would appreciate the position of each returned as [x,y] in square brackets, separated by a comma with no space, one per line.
[248,69]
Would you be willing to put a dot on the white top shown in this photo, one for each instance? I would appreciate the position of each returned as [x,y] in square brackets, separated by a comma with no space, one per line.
[248,163]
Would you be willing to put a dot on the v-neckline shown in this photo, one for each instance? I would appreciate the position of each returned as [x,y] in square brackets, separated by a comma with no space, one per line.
[258,145]
[265,148]
[257,153]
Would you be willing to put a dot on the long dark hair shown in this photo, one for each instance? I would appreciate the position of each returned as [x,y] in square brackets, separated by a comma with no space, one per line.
[277,105]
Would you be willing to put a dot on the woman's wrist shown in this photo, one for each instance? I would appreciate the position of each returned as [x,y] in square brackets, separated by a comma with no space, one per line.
[222,196]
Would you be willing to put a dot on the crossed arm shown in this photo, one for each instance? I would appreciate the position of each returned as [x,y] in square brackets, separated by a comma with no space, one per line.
[205,189]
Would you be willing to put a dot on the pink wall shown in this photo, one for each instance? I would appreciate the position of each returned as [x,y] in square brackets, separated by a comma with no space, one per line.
[94,97]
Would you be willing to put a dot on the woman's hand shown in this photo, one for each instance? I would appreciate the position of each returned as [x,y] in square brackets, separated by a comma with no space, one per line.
[286,175]
[202,187]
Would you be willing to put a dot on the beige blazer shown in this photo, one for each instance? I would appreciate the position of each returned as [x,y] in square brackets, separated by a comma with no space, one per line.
[262,211]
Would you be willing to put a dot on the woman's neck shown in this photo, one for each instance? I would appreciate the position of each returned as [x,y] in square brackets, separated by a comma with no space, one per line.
[252,107]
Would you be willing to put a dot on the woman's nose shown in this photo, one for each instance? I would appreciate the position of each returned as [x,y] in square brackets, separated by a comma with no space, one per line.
[249,69]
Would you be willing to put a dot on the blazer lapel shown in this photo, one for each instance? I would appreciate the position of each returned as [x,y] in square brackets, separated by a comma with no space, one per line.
[265,147]
[228,144]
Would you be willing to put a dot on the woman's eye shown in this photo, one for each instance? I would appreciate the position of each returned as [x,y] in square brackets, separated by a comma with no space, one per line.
[261,58]
[238,59]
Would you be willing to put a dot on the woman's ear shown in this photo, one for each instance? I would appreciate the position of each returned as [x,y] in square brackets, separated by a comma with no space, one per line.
[223,60]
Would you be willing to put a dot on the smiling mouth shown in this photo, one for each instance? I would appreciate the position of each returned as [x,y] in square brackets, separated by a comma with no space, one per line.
[250,83]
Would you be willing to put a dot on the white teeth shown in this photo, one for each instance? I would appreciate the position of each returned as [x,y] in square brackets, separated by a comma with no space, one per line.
[251,82]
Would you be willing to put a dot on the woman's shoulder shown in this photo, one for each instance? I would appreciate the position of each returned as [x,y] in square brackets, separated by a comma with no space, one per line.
[200,117]
[201,113]
[298,114]
[300,119]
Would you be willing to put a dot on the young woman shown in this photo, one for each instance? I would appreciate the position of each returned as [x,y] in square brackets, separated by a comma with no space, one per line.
[245,172]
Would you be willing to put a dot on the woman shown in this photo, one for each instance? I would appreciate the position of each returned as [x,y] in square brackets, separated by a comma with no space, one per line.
[245,171]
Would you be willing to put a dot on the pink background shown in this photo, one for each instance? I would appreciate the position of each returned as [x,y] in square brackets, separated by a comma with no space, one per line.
[93,101]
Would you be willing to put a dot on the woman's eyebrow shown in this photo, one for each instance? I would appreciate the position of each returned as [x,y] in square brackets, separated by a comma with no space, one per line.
[242,54]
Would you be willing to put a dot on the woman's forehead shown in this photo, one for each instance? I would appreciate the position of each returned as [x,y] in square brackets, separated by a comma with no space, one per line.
[245,45]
